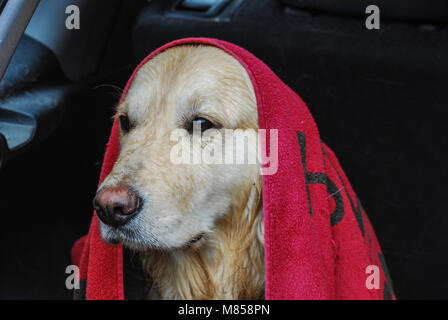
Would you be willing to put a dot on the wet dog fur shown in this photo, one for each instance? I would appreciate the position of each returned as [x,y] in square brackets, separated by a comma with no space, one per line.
[199,229]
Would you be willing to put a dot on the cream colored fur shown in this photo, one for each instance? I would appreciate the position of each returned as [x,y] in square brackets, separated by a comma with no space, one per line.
[181,201]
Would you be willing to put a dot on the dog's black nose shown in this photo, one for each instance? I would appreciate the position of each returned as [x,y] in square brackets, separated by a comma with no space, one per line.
[116,206]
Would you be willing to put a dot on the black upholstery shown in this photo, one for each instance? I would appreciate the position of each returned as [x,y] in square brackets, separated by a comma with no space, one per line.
[32,62]
[434,11]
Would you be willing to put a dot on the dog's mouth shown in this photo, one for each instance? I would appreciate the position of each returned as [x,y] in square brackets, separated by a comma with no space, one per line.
[115,236]
[131,239]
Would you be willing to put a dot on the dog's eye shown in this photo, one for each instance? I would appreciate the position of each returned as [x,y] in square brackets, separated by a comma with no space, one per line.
[204,123]
[125,124]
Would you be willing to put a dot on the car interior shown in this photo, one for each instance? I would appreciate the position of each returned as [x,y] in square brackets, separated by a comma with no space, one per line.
[379,98]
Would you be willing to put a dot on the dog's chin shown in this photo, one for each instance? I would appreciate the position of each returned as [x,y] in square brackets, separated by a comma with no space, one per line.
[134,240]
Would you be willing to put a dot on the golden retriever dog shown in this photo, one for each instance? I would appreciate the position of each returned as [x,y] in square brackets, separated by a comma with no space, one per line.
[198,227]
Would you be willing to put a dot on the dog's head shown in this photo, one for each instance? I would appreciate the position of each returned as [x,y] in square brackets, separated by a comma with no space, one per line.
[184,99]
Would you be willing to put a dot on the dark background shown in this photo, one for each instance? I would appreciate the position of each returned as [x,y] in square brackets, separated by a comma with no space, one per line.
[379,98]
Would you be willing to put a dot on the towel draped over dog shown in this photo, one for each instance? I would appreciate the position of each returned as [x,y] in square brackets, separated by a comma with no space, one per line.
[319,243]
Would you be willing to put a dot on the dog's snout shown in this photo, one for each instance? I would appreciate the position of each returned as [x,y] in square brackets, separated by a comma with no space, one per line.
[116,206]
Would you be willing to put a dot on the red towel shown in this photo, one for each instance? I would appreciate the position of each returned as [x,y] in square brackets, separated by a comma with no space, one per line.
[319,243]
